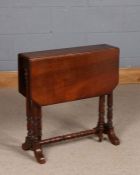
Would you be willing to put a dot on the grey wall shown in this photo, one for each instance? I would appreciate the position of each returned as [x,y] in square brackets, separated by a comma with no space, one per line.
[29,25]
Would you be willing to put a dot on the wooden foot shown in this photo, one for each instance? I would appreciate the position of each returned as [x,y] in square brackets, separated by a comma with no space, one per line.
[111,135]
[36,148]
[27,145]
[113,138]
[39,154]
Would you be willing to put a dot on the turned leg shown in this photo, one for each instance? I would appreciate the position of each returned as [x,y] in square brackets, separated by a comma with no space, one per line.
[109,129]
[34,130]
[28,145]
[37,127]
[100,126]
[29,139]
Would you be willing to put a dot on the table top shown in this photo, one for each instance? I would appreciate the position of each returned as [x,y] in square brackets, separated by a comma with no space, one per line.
[62,75]
[66,51]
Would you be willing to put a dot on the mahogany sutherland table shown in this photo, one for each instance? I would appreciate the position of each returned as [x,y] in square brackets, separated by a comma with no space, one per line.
[55,76]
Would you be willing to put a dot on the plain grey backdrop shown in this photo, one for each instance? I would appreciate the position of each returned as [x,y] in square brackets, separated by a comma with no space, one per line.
[31,25]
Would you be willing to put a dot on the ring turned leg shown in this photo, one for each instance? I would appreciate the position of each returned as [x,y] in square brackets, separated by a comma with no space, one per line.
[100,126]
[28,145]
[108,127]
[34,131]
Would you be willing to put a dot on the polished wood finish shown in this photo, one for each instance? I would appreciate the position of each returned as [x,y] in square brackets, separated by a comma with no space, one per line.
[101,121]
[109,129]
[68,136]
[63,75]
[56,76]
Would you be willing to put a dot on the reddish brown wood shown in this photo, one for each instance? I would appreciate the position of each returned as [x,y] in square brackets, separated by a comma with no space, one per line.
[100,127]
[110,110]
[62,75]
[34,125]
[68,136]
[28,141]
[109,129]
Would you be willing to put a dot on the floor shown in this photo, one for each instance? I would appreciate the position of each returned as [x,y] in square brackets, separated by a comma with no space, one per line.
[84,156]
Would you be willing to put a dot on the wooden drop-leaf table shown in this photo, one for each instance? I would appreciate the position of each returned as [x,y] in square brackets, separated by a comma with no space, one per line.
[62,75]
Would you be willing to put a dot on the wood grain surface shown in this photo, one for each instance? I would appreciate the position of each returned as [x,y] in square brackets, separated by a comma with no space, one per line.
[69,74]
